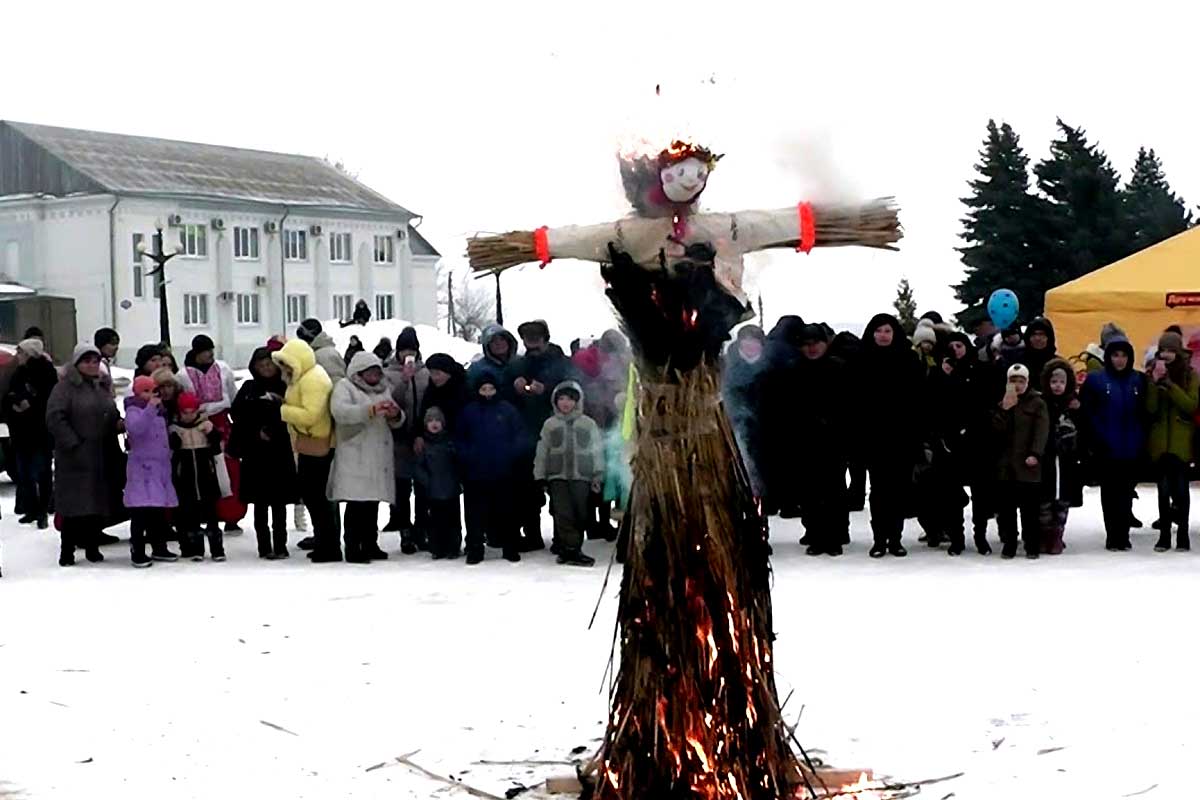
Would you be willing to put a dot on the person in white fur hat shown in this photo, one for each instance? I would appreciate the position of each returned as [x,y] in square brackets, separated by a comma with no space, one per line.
[1023,423]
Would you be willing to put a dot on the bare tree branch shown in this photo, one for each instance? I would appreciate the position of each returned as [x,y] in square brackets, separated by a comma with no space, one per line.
[473,306]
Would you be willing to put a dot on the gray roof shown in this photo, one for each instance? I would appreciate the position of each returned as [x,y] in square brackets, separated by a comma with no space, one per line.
[138,165]
[419,245]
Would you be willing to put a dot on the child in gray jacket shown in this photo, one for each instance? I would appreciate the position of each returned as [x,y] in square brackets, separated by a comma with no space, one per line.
[570,460]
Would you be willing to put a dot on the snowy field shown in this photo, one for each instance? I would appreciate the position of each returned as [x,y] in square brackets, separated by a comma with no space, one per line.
[1068,677]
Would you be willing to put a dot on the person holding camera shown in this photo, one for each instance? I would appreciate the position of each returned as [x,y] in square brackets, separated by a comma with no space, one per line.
[409,380]
[1171,401]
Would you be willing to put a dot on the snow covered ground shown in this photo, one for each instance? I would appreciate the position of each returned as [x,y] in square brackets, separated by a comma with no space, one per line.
[1062,678]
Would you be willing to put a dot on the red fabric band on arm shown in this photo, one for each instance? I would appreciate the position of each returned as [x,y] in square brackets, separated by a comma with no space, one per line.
[808,228]
[541,245]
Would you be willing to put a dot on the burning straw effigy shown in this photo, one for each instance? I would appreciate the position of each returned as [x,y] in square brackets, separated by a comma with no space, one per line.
[694,710]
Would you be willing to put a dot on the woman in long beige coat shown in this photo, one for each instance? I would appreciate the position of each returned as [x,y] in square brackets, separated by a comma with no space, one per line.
[363,474]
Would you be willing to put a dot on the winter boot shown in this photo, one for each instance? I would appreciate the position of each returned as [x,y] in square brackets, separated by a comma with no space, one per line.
[834,550]
[104,539]
[216,544]
[957,544]
[160,552]
[264,544]
[879,549]
[981,544]
[307,543]
[196,546]
[279,543]
[93,554]
[1164,539]
[66,552]
[815,550]
[1032,555]
[897,549]
[42,523]
[354,549]
[371,549]
[407,546]
[1009,550]
[576,558]
[330,556]
[1157,524]
[27,519]
[140,559]
[512,554]
[233,529]
[475,555]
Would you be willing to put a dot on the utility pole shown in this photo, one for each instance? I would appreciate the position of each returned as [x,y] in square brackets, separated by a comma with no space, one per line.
[762,320]
[160,257]
[450,304]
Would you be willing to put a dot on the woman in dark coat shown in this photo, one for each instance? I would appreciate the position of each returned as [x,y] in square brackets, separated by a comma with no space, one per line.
[25,410]
[261,442]
[447,388]
[83,421]
[890,387]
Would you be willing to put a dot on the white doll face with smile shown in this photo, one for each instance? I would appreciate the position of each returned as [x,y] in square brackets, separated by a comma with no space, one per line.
[683,182]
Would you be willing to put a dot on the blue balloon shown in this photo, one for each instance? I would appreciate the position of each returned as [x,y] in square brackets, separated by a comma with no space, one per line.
[1003,308]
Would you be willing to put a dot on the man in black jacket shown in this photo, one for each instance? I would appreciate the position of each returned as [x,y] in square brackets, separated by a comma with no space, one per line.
[533,377]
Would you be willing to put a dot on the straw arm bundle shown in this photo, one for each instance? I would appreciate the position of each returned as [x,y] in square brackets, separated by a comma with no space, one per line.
[873,224]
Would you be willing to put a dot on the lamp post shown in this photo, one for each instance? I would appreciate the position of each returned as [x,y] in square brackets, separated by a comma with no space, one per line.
[160,256]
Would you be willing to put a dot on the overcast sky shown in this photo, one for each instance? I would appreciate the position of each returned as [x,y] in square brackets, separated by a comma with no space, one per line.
[509,115]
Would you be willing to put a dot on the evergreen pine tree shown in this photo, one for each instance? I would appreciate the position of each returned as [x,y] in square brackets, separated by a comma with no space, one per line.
[1004,230]
[1152,210]
[1087,221]
[906,306]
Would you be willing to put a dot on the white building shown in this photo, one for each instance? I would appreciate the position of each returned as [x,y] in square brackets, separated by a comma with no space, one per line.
[267,239]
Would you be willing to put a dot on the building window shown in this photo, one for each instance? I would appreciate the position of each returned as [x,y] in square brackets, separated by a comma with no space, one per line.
[139,261]
[247,309]
[385,251]
[385,306]
[195,309]
[339,249]
[343,306]
[245,243]
[295,245]
[297,308]
[193,241]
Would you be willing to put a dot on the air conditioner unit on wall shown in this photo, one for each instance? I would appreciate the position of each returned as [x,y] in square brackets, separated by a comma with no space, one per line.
[316,230]
[270,226]
[174,220]
[261,280]
[218,224]
[225,297]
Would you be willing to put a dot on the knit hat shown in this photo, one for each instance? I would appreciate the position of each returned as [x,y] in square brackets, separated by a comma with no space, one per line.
[1018,371]
[84,349]
[484,378]
[1171,341]
[442,363]
[1110,331]
[924,333]
[934,317]
[34,332]
[143,383]
[814,332]
[34,348]
[202,343]
[105,336]
[145,353]
[432,413]
[188,402]
[275,344]
[309,329]
[534,327]
[407,340]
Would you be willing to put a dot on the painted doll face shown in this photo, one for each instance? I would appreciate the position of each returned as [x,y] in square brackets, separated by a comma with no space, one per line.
[683,182]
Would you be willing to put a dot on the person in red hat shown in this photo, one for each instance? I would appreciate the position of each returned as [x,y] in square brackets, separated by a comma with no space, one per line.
[196,444]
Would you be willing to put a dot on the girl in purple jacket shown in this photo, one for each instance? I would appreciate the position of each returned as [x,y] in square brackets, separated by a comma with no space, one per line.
[149,491]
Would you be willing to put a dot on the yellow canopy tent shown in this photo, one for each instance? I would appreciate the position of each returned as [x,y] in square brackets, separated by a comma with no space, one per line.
[1144,293]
